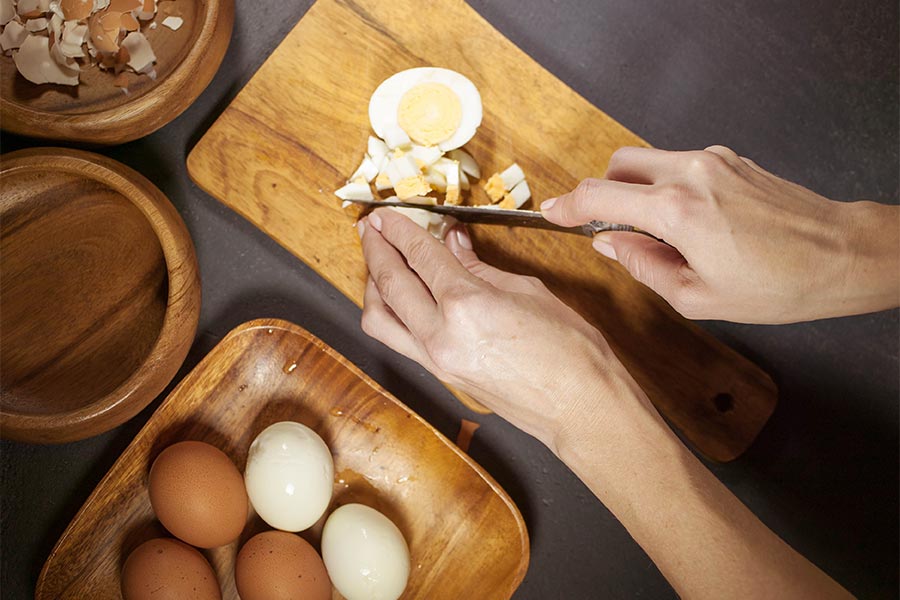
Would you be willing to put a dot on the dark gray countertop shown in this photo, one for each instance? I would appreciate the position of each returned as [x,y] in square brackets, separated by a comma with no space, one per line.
[807,88]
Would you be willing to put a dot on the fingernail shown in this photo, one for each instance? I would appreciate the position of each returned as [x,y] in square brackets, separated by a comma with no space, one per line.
[601,244]
[360,228]
[548,204]
[375,221]
[463,238]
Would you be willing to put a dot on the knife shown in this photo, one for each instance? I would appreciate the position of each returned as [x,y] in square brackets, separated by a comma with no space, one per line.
[500,216]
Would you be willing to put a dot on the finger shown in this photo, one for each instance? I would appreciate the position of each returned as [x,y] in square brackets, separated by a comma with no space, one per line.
[642,165]
[605,200]
[381,323]
[424,254]
[400,288]
[655,264]
[460,244]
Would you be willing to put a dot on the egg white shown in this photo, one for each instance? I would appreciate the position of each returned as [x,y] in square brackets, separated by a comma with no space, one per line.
[385,102]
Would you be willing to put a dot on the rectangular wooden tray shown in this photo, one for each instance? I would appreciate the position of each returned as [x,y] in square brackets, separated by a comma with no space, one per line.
[298,129]
[466,536]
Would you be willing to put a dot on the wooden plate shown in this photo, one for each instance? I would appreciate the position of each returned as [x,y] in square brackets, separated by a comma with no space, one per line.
[99,289]
[298,130]
[466,537]
[97,112]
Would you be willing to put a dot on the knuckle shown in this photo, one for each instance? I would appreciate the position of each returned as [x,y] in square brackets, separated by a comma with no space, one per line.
[677,208]
[702,165]
[417,252]
[387,284]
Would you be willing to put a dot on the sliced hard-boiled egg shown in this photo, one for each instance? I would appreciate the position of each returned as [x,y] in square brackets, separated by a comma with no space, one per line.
[466,162]
[406,179]
[517,196]
[355,190]
[500,183]
[429,105]
[425,156]
[367,169]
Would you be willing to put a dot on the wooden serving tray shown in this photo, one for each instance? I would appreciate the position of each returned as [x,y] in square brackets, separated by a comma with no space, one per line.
[299,128]
[466,536]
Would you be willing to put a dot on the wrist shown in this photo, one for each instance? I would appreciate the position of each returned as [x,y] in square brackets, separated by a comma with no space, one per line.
[870,266]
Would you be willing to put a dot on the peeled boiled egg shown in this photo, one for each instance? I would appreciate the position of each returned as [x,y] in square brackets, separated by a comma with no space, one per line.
[289,476]
[365,554]
[166,569]
[198,495]
[429,105]
[277,565]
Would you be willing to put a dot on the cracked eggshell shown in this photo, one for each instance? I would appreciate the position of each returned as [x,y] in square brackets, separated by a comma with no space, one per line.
[104,28]
[173,23]
[29,9]
[147,10]
[73,36]
[125,6]
[141,54]
[7,11]
[76,10]
[34,62]
[35,25]
[13,35]
[129,23]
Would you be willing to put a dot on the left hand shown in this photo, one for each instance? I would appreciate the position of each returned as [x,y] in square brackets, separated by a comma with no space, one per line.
[502,338]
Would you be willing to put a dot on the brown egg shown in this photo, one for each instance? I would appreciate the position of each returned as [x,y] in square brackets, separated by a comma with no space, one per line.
[166,569]
[277,565]
[198,494]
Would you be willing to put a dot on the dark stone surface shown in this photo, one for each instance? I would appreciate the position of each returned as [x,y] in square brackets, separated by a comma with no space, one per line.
[809,89]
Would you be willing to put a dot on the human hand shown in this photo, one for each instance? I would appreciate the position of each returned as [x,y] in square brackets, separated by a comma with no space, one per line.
[502,338]
[745,245]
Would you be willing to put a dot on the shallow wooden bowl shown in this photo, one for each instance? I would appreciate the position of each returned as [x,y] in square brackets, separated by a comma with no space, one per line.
[97,112]
[99,292]
[466,536]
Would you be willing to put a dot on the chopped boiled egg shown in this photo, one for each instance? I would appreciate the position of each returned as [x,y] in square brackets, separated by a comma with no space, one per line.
[500,187]
[406,179]
[517,196]
[377,149]
[466,162]
[431,106]
[355,190]
[367,169]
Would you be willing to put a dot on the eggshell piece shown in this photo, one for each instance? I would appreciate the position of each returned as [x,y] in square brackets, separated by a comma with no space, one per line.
[35,25]
[13,36]
[76,10]
[166,569]
[7,11]
[34,62]
[141,54]
[276,565]
[173,23]
[198,494]
[129,23]
[124,6]
[29,9]
[104,28]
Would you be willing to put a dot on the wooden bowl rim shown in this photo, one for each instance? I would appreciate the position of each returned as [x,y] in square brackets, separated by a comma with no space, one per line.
[181,316]
[292,328]
[137,110]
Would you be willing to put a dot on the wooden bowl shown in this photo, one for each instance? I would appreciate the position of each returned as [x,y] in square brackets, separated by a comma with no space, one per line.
[97,112]
[466,536]
[99,289]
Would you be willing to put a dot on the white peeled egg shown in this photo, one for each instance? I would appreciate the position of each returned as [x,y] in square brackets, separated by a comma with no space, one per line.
[433,106]
[289,476]
[365,554]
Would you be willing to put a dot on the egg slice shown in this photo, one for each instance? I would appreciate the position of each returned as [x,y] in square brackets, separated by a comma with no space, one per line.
[365,554]
[430,105]
[289,476]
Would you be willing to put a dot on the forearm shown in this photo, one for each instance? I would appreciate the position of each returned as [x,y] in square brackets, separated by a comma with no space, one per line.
[701,537]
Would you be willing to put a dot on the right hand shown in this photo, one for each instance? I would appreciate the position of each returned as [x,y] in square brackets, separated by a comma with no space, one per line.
[744,245]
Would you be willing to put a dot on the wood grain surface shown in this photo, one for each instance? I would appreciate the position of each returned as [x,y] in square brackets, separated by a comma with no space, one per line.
[99,289]
[299,128]
[466,537]
[97,112]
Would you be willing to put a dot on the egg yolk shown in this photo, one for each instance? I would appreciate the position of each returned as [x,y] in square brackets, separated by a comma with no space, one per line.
[429,113]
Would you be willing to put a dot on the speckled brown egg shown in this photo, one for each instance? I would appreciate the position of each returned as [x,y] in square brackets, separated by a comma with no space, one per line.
[166,569]
[277,565]
[198,494]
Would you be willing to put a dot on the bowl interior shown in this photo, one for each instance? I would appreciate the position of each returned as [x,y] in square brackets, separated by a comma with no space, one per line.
[84,290]
[96,92]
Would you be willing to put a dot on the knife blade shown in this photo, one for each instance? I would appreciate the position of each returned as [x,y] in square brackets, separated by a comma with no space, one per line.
[500,216]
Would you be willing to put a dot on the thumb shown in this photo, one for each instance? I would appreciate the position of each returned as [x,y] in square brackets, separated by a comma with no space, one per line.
[655,264]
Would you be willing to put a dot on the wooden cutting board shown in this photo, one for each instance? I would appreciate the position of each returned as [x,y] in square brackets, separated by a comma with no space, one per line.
[299,128]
